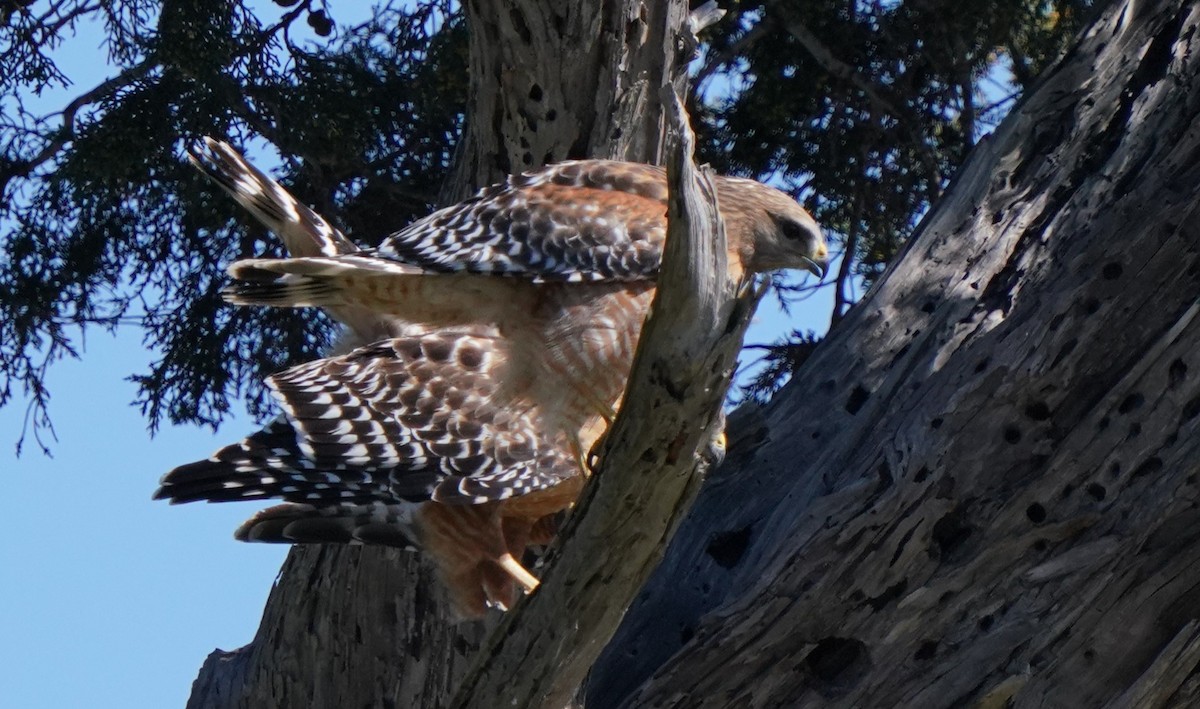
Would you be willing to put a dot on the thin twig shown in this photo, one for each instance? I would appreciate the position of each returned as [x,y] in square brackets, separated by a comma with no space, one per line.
[66,131]
[840,298]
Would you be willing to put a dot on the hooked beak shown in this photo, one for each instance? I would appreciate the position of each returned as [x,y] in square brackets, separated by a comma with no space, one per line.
[817,268]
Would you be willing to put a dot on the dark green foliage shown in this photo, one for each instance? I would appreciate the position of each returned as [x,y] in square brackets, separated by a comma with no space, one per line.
[864,109]
[105,223]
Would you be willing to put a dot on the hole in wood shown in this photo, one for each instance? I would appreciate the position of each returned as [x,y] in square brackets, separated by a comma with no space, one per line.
[1067,348]
[891,593]
[1190,410]
[1131,403]
[1150,466]
[927,650]
[1038,411]
[727,548]
[1176,373]
[884,474]
[1036,513]
[1097,491]
[858,397]
[1112,271]
[950,532]
[833,659]
[686,634]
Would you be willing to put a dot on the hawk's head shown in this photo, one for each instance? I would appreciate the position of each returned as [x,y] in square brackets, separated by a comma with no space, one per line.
[781,233]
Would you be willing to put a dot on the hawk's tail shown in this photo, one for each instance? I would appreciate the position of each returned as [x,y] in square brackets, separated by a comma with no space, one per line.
[324,505]
[299,282]
[298,523]
[303,231]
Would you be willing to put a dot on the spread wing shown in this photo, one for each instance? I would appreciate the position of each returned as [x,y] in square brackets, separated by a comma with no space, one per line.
[399,422]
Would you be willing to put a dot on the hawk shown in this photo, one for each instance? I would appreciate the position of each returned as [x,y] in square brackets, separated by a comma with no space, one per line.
[489,347]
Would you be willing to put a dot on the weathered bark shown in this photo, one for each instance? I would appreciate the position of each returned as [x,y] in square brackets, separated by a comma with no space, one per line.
[983,488]
[553,81]
[369,626]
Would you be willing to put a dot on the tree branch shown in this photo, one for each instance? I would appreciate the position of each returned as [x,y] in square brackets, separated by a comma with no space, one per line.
[874,94]
[737,48]
[66,131]
[841,300]
[651,465]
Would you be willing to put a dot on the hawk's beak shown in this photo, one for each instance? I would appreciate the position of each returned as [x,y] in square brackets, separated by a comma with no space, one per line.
[817,268]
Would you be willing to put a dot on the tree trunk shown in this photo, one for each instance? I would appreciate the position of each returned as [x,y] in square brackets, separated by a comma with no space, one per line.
[982,489]
[368,626]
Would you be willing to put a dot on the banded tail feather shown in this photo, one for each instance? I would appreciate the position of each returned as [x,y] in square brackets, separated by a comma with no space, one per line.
[305,282]
[302,230]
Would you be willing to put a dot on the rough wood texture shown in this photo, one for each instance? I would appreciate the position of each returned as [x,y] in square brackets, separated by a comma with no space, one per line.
[983,489]
[344,612]
[553,81]
[650,468]
[367,626]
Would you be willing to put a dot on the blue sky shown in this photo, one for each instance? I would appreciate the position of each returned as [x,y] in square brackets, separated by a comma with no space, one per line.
[108,599]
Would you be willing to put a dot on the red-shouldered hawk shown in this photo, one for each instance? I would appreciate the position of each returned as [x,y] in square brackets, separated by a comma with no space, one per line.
[501,330]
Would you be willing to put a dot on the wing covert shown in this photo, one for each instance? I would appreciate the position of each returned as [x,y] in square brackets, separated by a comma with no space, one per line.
[583,221]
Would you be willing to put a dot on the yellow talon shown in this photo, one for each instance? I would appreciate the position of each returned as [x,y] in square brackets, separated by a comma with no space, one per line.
[518,572]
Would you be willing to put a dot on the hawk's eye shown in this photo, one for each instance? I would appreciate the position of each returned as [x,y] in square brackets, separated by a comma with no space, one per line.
[792,231]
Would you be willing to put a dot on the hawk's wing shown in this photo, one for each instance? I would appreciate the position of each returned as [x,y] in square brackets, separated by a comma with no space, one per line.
[578,221]
[587,220]
[366,434]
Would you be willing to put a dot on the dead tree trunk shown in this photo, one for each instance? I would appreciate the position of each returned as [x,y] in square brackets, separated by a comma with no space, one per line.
[366,626]
[983,489]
